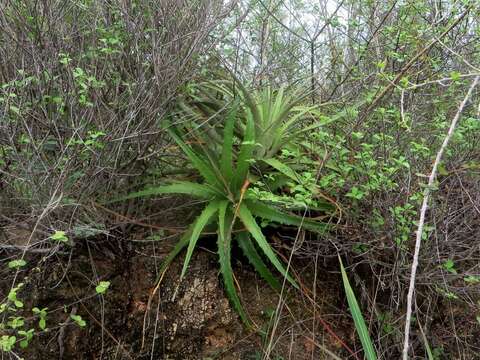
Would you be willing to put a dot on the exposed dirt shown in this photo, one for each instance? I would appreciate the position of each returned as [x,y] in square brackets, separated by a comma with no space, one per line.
[191,319]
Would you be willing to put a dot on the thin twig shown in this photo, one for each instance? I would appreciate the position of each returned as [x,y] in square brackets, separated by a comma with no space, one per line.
[426,198]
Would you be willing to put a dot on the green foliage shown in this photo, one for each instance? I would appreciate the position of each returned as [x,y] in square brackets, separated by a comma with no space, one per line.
[59,236]
[78,320]
[42,317]
[102,287]
[15,327]
[227,169]
[449,265]
[278,115]
[18,329]
[12,296]
[15,264]
[7,342]
[472,279]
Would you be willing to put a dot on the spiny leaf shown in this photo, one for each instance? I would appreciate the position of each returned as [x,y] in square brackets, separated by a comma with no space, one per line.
[225,219]
[252,255]
[203,220]
[358,320]
[196,159]
[253,228]
[245,155]
[179,246]
[283,168]
[275,215]
[227,151]
[177,187]
[249,100]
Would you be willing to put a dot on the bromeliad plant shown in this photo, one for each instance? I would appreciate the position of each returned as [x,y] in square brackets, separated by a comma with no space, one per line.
[226,173]
[280,121]
[279,117]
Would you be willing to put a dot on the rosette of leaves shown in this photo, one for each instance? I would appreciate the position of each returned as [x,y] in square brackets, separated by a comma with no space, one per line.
[226,172]
[279,116]
[281,121]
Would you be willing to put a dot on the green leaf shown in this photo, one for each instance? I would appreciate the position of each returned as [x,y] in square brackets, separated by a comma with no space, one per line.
[224,242]
[455,75]
[253,228]
[254,258]
[197,160]
[15,109]
[245,155]
[177,187]
[226,161]
[179,246]
[449,265]
[358,320]
[275,215]
[250,102]
[102,287]
[283,168]
[78,320]
[472,279]
[203,220]
[15,264]
[59,236]
[7,342]
[427,345]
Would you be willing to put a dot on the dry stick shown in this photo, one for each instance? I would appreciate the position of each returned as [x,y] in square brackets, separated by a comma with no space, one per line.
[426,198]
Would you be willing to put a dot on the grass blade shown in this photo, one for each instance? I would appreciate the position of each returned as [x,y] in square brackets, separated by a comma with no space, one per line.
[360,325]
[428,349]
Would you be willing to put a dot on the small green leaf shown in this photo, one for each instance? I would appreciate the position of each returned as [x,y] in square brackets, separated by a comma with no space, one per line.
[455,75]
[355,193]
[15,109]
[102,287]
[449,265]
[15,264]
[78,320]
[472,279]
[59,236]
[7,342]
[381,65]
